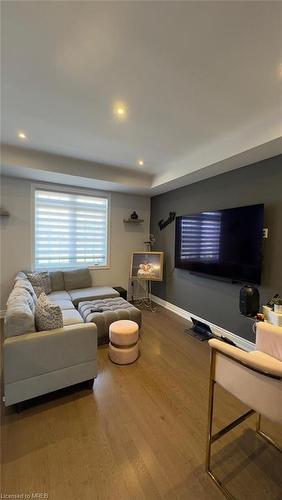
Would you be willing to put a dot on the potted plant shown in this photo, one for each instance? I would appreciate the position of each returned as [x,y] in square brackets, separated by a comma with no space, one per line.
[277,305]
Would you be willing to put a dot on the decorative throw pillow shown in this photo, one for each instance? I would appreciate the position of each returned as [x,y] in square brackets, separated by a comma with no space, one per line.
[40,282]
[48,316]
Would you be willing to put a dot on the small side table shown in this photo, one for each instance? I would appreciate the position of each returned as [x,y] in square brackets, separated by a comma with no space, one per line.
[121,291]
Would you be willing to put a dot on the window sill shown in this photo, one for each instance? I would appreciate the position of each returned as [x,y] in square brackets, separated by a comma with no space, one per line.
[71,268]
[97,268]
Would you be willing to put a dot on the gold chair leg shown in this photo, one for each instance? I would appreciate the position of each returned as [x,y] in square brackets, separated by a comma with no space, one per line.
[264,436]
[211,438]
[210,412]
[209,431]
[258,423]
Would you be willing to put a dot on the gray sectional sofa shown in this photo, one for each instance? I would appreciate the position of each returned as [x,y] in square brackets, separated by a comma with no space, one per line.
[38,362]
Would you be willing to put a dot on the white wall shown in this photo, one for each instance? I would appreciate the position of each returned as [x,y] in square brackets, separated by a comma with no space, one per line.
[16,234]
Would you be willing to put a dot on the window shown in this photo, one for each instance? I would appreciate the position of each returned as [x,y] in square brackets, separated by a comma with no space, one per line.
[71,230]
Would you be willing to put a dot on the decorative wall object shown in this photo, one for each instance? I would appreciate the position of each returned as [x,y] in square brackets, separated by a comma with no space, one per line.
[147,266]
[163,224]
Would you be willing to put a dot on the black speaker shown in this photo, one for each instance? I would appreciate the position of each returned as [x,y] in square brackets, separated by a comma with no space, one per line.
[249,300]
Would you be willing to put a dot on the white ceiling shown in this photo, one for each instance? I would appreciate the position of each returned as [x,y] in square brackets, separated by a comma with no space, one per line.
[201,80]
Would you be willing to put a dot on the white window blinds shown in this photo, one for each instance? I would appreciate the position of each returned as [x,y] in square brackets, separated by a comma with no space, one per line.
[70,230]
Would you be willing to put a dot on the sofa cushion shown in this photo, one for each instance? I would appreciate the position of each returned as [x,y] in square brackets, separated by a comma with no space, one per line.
[92,293]
[48,316]
[20,295]
[26,285]
[71,317]
[63,295]
[19,318]
[79,278]
[57,281]
[63,304]
[20,276]
[40,282]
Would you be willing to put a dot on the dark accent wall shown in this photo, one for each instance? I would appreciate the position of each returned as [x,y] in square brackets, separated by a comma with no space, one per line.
[214,300]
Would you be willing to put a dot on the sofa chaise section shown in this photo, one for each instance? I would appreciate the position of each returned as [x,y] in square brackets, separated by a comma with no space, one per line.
[76,286]
[92,293]
[71,298]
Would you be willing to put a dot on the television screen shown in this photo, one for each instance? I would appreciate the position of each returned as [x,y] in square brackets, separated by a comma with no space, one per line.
[225,243]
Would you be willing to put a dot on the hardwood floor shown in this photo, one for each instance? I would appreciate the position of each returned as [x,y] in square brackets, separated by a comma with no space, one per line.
[140,434]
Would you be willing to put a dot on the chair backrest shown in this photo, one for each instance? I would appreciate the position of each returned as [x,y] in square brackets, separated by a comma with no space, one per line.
[254,378]
[269,339]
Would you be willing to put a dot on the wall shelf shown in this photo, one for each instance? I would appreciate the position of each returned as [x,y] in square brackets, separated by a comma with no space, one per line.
[4,213]
[133,221]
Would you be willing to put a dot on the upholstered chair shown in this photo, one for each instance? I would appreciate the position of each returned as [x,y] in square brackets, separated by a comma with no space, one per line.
[255,378]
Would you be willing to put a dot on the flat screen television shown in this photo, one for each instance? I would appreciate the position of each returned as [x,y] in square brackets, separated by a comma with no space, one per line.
[224,243]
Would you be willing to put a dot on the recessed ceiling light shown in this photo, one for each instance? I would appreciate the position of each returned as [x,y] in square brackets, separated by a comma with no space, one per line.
[120,110]
[21,135]
[141,162]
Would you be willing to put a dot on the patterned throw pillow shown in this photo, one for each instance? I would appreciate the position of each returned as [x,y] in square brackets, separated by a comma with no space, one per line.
[40,282]
[48,316]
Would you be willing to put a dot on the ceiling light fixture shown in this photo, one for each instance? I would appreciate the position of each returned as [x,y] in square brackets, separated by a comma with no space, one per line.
[120,110]
[141,163]
[21,135]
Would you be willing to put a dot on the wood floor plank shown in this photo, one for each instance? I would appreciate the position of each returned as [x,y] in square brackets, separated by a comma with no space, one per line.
[141,434]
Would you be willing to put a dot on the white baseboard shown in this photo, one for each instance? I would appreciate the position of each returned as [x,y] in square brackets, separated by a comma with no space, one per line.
[247,345]
[2,313]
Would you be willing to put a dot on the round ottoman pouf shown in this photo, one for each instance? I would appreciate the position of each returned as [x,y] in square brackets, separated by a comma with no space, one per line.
[124,355]
[123,332]
[123,346]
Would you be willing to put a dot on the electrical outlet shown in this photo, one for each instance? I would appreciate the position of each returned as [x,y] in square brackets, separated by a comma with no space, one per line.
[265,233]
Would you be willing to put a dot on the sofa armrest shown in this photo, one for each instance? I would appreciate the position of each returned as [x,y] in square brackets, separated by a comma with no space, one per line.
[34,354]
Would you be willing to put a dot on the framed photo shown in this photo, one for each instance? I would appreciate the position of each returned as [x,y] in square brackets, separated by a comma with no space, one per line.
[147,266]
